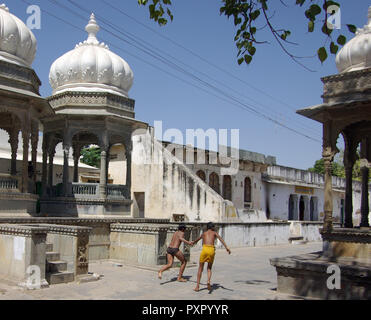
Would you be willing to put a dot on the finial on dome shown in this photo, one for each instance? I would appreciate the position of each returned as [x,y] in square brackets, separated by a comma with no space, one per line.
[92,29]
[4,7]
[369,15]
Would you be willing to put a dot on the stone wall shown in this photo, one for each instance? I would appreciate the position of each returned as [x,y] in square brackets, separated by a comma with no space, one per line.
[170,187]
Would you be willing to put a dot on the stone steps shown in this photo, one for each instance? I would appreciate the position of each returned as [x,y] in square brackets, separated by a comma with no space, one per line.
[52,256]
[60,277]
[56,269]
[56,266]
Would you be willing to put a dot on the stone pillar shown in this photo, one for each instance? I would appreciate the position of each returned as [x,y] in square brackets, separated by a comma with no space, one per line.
[103,174]
[26,143]
[128,150]
[328,154]
[51,166]
[349,160]
[66,154]
[13,140]
[44,165]
[364,177]
[76,157]
[34,143]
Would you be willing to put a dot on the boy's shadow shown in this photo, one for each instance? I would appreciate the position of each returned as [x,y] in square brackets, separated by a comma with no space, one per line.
[175,279]
[216,286]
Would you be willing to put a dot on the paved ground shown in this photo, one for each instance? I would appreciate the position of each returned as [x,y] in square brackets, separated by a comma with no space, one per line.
[245,274]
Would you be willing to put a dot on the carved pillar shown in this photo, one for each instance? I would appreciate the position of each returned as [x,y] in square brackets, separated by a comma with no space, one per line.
[364,176]
[13,140]
[44,173]
[26,143]
[128,150]
[51,165]
[34,143]
[103,174]
[350,154]
[66,154]
[76,157]
[103,166]
[328,153]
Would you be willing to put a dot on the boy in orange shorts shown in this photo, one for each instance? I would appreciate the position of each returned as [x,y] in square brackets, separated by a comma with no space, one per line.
[208,253]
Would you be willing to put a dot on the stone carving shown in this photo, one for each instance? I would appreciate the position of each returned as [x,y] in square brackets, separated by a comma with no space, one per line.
[82,263]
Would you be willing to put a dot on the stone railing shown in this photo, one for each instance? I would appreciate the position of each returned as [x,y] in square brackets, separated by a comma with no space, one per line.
[84,189]
[305,176]
[91,191]
[9,183]
[118,192]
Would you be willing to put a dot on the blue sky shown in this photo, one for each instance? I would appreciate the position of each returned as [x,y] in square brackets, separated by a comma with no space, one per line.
[273,83]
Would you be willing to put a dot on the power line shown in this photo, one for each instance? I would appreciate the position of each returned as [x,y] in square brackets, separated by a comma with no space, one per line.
[302,125]
[235,101]
[198,56]
[134,38]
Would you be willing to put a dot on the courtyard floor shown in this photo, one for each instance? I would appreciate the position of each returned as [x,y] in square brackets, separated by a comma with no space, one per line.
[245,274]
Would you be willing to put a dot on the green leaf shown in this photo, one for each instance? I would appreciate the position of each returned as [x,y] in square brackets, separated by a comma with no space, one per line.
[252,50]
[240,60]
[341,40]
[248,58]
[333,48]
[315,9]
[352,28]
[300,2]
[322,54]
[310,26]
[326,30]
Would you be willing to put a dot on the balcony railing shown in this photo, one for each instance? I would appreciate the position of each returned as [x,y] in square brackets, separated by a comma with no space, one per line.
[9,183]
[91,191]
[85,189]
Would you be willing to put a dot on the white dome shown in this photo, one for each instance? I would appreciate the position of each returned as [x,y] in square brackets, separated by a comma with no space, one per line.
[91,67]
[17,42]
[356,53]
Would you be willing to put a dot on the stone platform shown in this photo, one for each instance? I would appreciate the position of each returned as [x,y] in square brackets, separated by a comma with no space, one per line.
[345,250]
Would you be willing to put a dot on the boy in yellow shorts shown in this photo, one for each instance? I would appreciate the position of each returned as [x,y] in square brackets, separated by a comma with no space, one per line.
[208,253]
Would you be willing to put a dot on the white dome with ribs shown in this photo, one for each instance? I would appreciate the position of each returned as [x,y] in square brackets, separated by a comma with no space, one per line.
[91,67]
[17,42]
[356,53]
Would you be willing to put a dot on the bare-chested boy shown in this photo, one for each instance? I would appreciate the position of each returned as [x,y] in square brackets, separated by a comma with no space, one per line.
[208,253]
[173,250]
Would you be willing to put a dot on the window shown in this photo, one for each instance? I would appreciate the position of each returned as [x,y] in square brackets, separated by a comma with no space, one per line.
[247,191]
[227,188]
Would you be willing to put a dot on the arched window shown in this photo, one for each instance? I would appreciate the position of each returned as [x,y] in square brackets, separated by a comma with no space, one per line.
[201,175]
[214,182]
[227,188]
[247,191]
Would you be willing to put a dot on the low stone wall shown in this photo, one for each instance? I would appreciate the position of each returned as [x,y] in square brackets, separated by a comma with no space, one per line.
[21,204]
[138,243]
[307,229]
[22,248]
[99,238]
[80,207]
[249,234]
